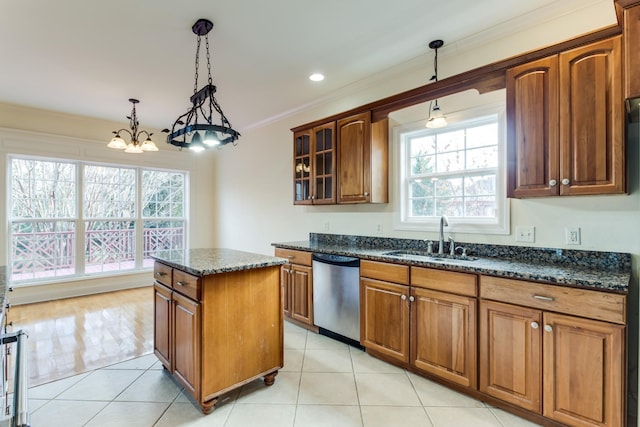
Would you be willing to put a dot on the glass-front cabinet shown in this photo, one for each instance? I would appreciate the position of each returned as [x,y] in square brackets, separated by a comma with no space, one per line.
[314,165]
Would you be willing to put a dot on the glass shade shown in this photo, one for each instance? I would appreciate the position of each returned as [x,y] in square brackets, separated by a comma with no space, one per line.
[436,119]
[211,138]
[117,143]
[149,145]
[133,148]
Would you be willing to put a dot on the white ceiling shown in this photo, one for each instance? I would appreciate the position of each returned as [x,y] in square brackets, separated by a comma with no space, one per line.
[88,57]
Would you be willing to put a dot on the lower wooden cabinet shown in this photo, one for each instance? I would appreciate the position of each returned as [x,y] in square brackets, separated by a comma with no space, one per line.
[430,330]
[296,279]
[384,317]
[565,367]
[186,365]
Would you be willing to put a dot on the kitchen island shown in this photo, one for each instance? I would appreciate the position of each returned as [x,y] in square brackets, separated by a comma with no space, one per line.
[218,320]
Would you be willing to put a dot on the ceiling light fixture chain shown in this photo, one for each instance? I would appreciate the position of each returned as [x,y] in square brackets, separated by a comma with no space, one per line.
[134,146]
[186,131]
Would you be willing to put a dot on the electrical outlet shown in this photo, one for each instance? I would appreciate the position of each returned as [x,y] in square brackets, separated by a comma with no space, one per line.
[572,235]
[327,226]
[525,234]
[379,228]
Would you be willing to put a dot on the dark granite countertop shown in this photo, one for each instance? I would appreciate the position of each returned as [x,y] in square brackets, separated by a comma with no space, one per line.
[203,262]
[600,271]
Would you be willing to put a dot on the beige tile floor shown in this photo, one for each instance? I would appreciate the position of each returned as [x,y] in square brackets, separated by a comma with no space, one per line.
[323,383]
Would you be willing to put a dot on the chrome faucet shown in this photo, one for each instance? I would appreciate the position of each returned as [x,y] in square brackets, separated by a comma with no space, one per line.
[443,221]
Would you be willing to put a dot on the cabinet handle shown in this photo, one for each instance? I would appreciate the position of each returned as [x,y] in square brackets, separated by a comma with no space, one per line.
[291,256]
[403,297]
[566,181]
[161,273]
[543,298]
[553,183]
[180,283]
[534,325]
[548,328]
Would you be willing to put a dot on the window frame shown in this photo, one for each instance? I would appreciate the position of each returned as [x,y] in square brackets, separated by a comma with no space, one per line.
[479,225]
[80,268]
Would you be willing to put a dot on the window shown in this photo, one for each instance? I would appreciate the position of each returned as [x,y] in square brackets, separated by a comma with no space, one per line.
[457,171]
[58,206]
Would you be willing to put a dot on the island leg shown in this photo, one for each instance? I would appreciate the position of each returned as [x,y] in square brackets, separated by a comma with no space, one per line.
[269,379]
[209,406]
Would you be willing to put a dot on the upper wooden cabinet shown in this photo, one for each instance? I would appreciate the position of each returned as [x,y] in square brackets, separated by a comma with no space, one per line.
[631,22]
[362,160]
[565,123]
[314,162]
[342,162]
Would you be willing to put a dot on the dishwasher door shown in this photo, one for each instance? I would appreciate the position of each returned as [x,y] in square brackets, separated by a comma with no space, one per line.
[336,295]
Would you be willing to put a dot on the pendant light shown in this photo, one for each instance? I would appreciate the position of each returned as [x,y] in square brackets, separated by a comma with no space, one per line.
[197,128]
[135,146]
[436,118]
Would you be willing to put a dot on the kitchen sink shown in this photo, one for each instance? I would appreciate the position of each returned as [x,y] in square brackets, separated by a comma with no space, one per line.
[431,257]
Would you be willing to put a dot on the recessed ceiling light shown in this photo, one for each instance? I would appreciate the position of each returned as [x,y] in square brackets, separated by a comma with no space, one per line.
[316,77]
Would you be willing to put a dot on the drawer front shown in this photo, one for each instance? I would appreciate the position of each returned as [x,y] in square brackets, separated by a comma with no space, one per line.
[294,257]
[385,271]
[447,281]
[162,273]
[579,302]
[187,284]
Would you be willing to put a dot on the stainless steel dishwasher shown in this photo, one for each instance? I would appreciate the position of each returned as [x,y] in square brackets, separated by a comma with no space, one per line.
[336,296]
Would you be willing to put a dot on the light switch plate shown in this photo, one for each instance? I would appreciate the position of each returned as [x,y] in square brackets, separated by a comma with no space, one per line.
[525,234]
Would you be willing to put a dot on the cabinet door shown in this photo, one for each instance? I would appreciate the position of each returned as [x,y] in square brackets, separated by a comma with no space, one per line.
[162,336]
[631,49]
[443,335]
[511,354]
[187,343]
[354,159]
[324,164]
[285,282]
[384,318]
[532,129]
[302,294]
[302,166]
[583,371]
[592,119]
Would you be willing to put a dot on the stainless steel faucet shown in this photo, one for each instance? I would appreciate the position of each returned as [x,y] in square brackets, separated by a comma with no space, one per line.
[443,221]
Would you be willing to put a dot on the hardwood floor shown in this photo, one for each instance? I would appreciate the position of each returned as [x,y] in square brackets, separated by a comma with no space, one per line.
[75,335]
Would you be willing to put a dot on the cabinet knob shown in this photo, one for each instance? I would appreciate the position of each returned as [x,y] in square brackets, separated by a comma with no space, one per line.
[548,328]
[412,298]
[403,297]
[534,325]
[161,274]
[179,283]
[566,181]
[366,194]
[553,183]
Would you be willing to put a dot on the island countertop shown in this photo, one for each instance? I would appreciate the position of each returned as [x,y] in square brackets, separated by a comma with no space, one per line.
[206,261]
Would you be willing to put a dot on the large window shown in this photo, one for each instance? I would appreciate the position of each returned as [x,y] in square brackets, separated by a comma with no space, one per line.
[457,171]
[75,219]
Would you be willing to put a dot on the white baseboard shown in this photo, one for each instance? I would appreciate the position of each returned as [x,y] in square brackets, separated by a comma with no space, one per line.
[27,294]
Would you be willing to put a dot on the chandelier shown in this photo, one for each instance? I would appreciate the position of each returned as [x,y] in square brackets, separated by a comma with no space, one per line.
[134,146]
[197,128]
[436,118]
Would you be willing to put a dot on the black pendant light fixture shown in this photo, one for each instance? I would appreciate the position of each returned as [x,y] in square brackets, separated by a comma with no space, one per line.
[198,128]
[135,145]
[436,118]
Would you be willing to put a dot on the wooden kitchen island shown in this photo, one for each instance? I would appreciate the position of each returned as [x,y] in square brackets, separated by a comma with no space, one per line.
[218,320]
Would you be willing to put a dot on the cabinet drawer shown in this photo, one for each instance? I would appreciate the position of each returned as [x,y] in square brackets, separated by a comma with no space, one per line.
[580,302]
[447,281]
[162,273]
[294,257]
[187,284]
[385,271]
